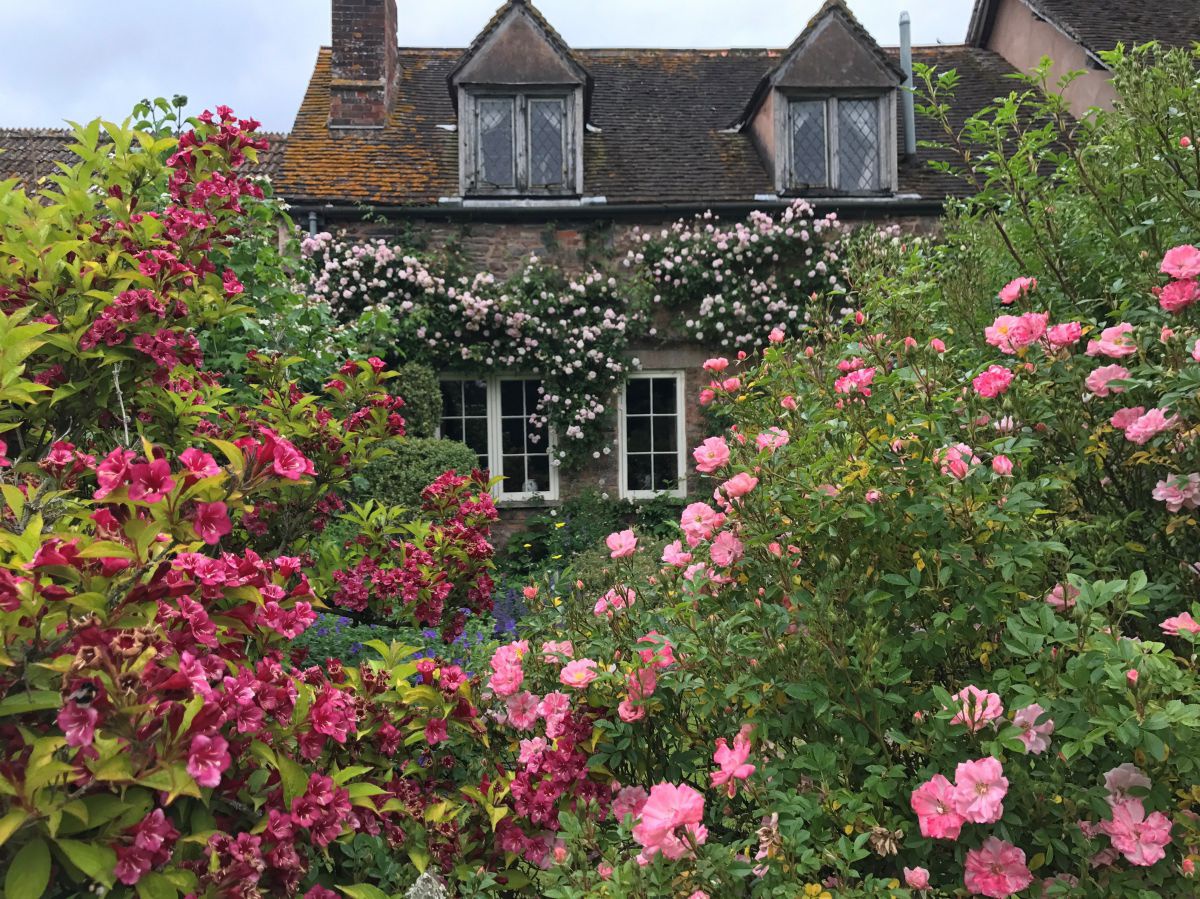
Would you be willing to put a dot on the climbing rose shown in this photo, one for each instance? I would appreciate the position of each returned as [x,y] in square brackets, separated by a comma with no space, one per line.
[207,759]
[621,544]
[1181,262]
[739,485]
[1017,288]
[956,461]
[916,878]
[1149,425]
[1062,596]
[979,790]
[1099,381]
[772,439]
[717,365]
[1064,335]
[1114,342]
[978,707]
[1141,838]
[578,674]
[996,869]
[1123,778]
[1178,295]
[1010,333]
[732,762]
[1182,623]
[1002,465]
[1036,737]
[675,555]
[993,382]
[712,454]
[726,549]
[522,710]
[1179,492]
[933,803]
[669,810]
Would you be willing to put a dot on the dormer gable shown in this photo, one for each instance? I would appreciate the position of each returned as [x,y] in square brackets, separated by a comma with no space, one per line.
[521,97]
[823,118]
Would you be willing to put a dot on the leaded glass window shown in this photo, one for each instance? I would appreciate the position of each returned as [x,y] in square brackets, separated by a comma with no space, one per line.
[497,150]
[858,144]
[809,150]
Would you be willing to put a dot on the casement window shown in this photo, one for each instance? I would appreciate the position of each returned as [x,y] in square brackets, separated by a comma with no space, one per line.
[519,144]
[840,144]
[652,437]
[493,416]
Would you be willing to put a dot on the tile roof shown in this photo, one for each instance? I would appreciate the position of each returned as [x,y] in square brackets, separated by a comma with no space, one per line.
[28,154]
[663,118]
[1099,25]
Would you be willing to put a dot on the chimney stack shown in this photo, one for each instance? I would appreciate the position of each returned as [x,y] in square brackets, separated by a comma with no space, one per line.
[906,93]
[363,73]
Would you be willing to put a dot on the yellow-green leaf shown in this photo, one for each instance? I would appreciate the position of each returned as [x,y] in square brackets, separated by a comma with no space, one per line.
[29,872]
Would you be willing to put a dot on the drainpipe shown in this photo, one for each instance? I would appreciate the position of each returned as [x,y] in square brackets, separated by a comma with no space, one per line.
[312,224]
[906,95]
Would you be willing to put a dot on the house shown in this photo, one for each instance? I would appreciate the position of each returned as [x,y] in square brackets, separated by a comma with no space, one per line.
[1074,33]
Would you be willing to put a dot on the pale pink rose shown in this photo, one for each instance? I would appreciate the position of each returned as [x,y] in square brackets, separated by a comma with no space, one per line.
[699,521]
[670,822]
[1123,418]
[739,485]
[1181,262]
[873,496]
[916,878]
[1183,623]
[1196,351]
[1141,838]
[1012,333]
[731,385]
[993,382]
[1179,492]
[522,710]
[675,555]
[1002,465]
[937,345]
[578,674]
[996,869]
[956,461]
[772,439]
[629,801]
[630,711]
[789,402]
[726,549]
[1115,342]
[978,707]
[1035,736]
[1149,425]
[1064,335]
[554,651]
[531,749]
[979,790]
[1123,778]
[621,544]
[1063,596]
[716,366]
[712,454]
[1017,288]
[1100,381]
[858,381]
[776,335]
[732,762]
[933,803]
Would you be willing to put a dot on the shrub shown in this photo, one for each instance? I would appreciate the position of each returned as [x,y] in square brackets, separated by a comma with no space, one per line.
[398,478]
[422,399]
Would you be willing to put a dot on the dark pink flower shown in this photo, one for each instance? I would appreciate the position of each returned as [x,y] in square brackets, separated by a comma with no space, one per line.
[211,521]
[150,481]
[208,758]
[78,723]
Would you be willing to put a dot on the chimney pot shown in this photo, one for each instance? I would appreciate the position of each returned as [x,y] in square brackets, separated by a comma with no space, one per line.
[363,75]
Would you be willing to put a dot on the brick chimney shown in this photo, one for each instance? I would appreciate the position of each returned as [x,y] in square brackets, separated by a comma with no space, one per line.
[364,63]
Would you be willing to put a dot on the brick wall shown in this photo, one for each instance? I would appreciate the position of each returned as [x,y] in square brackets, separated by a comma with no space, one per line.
[364,63]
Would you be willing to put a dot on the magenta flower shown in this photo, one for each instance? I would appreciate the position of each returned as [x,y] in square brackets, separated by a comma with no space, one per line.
[436,731]
[933,803]
[956,461]
[78,723]
[978,707]
[979,790]
[208,758]
[996,869]
[150,481]
[198,463]
[1036,737]
[211,522]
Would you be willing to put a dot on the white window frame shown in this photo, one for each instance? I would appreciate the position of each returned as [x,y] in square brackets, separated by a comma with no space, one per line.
[495,438]
[681,489]
[885,144]
[468,147]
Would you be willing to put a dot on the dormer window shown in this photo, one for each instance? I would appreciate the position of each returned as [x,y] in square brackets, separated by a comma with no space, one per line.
[519,143]
[839,144]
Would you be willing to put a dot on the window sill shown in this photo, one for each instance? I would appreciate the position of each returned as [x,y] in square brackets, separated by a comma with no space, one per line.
[504,504]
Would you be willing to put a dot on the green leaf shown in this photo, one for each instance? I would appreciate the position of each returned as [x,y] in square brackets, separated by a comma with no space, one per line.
[29,873]
[97,862]
[10,822]
[295,780]
[33,701]
[156,886]
[364,891]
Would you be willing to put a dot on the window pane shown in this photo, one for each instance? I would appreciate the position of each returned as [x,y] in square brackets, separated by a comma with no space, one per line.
[664,395]
[474,397]
[858,144]
[496,153]
[808,142]
[637,434]
[665,432]
[539,473]
[512,432]
[637,396]
[452,403]
[546,119]
[639,473]
[512,398]
[475,435]
[665,473]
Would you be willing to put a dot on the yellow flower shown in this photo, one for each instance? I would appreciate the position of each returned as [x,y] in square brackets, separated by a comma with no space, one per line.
[560,524]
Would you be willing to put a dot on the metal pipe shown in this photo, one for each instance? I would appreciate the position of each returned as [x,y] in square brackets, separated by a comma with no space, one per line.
[906,94]
[312,224]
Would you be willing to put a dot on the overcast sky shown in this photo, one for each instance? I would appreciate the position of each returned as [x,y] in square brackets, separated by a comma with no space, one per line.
[78,59]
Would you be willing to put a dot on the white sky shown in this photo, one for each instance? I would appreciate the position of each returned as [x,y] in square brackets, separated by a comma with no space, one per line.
[78,59]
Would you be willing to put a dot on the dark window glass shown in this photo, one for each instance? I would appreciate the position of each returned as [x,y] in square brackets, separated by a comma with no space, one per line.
[546,150]
[858,145]
[808,143]
[651,430]
[497,152]
[637,396]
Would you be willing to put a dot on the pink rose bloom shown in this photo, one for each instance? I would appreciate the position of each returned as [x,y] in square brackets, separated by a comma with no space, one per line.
[1179,492]
[1182,623]
[655,649]
[996,869]
[1011,333]
[789,403]
[707,395]
[554,651]
[1141,838]
[1149,425]
[731,384]
[855,382]
[978,707]
[772,439]
[993,382]
[712,454]
[873,496]
[776,335]
[208,757]
[1125,417]
[669,813]
[717,365]
[1062,596]
[726,549]
[699,521]
[739,485]
[979,790]
[1002,465]
[629,801]
[1017,288]
[578,674]
[1098,381]
[1178,295]
[1123,778]
[916,878]
[732,762]
[675,555]
[522,710]
[1064,335]
[507,680]
[630,711]
[937,345]
[1196,351]
[956,461]
[1181,262]
[621,544]
[1115,342]
[933,803]
[1036,737]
